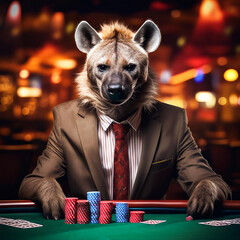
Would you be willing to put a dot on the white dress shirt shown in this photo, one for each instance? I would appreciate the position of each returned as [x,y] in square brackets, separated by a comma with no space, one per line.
[106,141]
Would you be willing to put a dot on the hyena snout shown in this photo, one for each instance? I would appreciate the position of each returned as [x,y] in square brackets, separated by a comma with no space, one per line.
[117,90]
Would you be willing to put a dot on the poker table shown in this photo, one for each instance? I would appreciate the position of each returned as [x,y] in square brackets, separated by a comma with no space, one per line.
[174,212]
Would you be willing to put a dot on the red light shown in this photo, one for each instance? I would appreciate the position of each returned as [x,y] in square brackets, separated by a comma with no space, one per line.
[14,12]
[160,6]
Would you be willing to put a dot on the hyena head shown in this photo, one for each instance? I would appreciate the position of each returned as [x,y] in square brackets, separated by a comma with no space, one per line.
[116,78]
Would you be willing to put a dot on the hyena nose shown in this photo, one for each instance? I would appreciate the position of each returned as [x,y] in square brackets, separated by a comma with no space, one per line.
[116,92]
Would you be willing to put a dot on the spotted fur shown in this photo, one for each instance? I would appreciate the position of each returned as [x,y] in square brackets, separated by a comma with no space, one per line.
[117,48]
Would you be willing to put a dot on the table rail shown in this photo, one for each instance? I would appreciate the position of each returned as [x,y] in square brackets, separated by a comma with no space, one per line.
[228,205]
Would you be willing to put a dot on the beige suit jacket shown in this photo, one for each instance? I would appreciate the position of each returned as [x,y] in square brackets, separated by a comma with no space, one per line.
[168,150]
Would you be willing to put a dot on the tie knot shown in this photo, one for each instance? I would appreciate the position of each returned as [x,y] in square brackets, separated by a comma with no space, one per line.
[120,130]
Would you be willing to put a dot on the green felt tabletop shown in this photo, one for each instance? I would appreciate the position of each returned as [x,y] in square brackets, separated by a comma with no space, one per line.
[176,227]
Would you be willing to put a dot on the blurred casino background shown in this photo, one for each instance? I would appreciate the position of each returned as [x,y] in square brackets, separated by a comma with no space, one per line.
[197,66]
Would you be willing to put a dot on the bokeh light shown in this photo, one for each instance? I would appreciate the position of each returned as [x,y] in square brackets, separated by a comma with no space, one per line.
[206,97]
[230,75]
[222,101]
[24,73]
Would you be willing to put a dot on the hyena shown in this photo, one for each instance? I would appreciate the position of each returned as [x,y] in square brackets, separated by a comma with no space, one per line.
[116,80]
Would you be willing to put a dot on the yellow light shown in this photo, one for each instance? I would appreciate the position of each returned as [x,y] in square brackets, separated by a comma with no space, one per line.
[56,76]
[206,97]
[29,92]
[230,75]
[24,74]
[184,76]
[25,111]
[189,74]
[211,10]
[176,101]
[233,99]
[181,41]
[70,27]
[66,64]
[222,101]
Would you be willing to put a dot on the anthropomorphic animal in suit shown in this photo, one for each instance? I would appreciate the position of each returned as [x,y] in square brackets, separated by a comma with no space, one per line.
[117,85]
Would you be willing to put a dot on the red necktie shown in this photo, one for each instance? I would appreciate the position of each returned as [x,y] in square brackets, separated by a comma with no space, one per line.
[121,164]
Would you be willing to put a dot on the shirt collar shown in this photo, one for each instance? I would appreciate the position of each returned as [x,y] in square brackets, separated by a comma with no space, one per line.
[134,120]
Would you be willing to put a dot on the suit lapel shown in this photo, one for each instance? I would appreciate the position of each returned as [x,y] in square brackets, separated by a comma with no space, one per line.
[87,129]
[151,129]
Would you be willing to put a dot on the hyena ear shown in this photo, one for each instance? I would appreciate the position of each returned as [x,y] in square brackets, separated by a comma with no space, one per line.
[148,36]
[86,37]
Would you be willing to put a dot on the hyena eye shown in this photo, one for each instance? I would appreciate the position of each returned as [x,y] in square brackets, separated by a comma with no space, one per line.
[130,67]
[102,67]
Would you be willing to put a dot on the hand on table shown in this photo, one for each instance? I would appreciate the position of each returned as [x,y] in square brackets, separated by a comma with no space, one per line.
[203,200]
[52,199]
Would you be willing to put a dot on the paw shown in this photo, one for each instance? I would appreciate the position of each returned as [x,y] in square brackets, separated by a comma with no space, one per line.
[203,199]
[52,198]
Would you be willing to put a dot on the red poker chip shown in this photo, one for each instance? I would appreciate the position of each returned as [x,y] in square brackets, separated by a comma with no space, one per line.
[189,218]
[83,202]
[71,210]
[83,212]
[136,216]
[70,199]
[106,208]
[105,219]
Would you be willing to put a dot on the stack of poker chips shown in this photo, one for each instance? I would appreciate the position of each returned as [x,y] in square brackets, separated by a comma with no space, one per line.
[71,210]
[94,199]
[96,211]
[122,212]
[106,208]
[136,216]
[83,215]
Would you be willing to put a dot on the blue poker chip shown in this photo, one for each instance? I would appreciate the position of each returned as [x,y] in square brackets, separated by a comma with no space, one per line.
[122,212]
[93,196]
[94,199]
[94,209]
[94,218]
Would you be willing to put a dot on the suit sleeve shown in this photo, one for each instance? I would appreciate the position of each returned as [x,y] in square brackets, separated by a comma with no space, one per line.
[50,164]
[192,167]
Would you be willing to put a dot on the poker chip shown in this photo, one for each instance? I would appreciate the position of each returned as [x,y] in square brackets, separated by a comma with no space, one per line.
[189,218]
[136,216]
[94,199]
[122,212]
[71,210]
[106,208]
[83,212]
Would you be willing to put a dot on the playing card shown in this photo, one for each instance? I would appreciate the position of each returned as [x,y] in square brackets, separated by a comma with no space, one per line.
[153,221]
[216,223]
[234,221]
[5,220]
[18,223]
[222,222]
